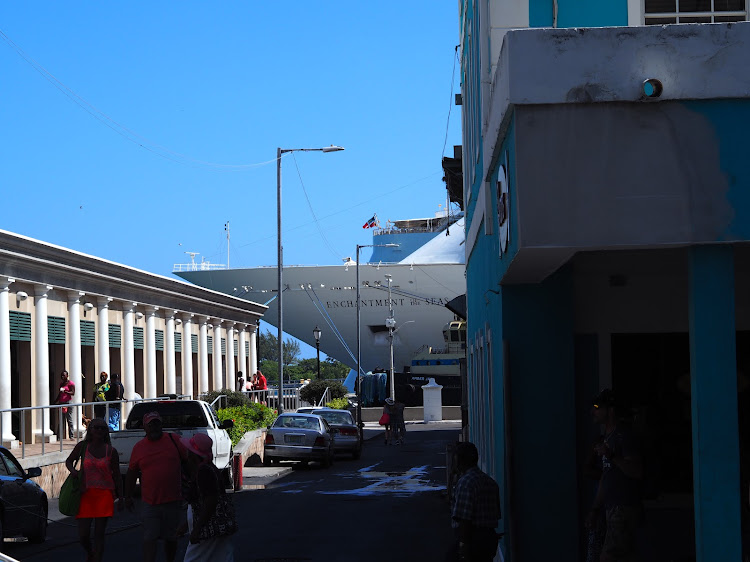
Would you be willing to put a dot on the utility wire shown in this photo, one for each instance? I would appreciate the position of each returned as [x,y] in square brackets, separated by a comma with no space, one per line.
[450,104]
[312,212]
[119,128]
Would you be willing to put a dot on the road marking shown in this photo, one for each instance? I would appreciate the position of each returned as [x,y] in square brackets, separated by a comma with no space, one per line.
[400,483]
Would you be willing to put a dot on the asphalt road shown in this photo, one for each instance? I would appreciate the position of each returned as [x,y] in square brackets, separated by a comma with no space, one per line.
[388,505]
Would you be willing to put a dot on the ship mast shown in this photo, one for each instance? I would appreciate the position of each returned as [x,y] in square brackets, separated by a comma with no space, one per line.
[226,228]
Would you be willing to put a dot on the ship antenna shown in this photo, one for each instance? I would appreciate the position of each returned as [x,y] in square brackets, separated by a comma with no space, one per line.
[192,259]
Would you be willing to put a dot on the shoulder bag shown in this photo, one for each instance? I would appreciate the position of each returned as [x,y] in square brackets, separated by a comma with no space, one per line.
[385,419]
[72,488]
[223,522]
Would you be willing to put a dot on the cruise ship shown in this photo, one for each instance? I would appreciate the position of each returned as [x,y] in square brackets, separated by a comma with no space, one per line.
[425,261]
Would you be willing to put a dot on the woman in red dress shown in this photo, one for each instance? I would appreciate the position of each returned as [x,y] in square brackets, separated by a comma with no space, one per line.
[101,483]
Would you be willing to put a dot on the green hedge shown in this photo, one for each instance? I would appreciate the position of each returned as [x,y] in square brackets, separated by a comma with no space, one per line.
[234,398]
[338,403]
[248,417]
[313,392]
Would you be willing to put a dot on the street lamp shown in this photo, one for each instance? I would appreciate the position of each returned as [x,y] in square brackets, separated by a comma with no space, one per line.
[280,268]
[359,345]
[390,323]
[316,335]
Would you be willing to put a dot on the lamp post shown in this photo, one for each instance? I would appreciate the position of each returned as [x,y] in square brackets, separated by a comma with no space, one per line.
[280,267]
[359,344]
[390,323]
[316,335]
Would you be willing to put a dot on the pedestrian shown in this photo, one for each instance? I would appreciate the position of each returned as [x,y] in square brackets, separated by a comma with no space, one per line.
[618,496]
[390,409]
[115,394]
[397,422]
[476,508]
[157,458]
[240,381]
[261,384]
[101,484]
[65,395]
[100,395]
[210,517]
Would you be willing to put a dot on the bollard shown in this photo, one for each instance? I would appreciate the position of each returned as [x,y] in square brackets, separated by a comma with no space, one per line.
[237,471]
[433,401]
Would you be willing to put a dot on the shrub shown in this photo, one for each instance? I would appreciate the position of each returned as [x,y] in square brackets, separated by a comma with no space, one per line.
[314,391]
[338,403]
[234,398]
[246,418]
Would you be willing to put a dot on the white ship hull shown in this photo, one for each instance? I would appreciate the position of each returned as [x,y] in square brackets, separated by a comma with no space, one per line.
[325,296]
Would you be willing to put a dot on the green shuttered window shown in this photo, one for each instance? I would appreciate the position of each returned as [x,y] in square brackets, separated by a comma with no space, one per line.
[115,335]
[194,343]
[88,333]
[20,326]
[223,346]
[177,342]
[137,337]
[210,345]
[236,348]
[159,340]
[56,329]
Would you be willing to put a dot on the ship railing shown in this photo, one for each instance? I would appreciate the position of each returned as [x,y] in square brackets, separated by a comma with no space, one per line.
[178,267]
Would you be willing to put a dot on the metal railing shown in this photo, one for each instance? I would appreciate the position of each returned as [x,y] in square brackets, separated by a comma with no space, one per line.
[325,398]
[82,411]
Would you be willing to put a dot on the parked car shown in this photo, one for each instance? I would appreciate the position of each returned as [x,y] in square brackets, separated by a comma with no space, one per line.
[344,429]
[23,503]
[299,437]
[184,418]
[310,409]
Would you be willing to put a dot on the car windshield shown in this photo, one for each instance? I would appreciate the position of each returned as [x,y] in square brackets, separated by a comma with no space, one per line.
[334,417]
[174,415]
[297,422]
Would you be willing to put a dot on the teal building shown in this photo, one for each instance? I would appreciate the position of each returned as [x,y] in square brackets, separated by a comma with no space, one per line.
[607,195]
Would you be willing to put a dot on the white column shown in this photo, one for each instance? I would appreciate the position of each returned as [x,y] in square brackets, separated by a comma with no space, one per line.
[102,335]
[203,359]
[7,439]
[241,355]
[230,378]
[75,368]
[170,370]
[150,344]
[217,355]
[41,356]
[128,352]
[187,354]
[253,350]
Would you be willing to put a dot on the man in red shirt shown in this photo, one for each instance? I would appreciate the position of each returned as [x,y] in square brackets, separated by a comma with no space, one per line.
[157,459]
[67,390]
[262,383]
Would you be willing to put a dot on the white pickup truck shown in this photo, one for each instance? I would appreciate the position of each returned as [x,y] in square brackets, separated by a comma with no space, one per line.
[184,418]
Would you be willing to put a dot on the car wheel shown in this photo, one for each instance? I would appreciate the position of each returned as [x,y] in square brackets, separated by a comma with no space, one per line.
[40,531]
[229,474]
[357,453]
[266,460]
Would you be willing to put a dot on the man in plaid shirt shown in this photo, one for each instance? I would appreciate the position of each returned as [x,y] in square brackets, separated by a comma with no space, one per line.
[476,508]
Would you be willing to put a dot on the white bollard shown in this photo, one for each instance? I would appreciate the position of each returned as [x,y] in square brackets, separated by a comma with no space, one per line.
[433,401]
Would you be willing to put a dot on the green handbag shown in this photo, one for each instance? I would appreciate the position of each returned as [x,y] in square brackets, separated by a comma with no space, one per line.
[70,493]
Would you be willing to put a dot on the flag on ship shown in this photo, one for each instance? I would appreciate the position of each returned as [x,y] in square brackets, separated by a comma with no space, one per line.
[372,222]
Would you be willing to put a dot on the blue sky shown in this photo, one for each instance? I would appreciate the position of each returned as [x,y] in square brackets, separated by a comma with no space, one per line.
[133,131]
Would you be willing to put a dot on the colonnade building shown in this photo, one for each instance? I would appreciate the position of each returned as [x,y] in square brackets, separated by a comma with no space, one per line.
[64,310]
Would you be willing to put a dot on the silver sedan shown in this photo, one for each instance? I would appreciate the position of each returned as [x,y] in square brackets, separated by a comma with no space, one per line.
[299,437]
[345,430]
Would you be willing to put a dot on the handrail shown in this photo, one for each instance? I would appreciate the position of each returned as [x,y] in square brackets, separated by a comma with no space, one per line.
[6,558]
[326,394]
[78,408]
